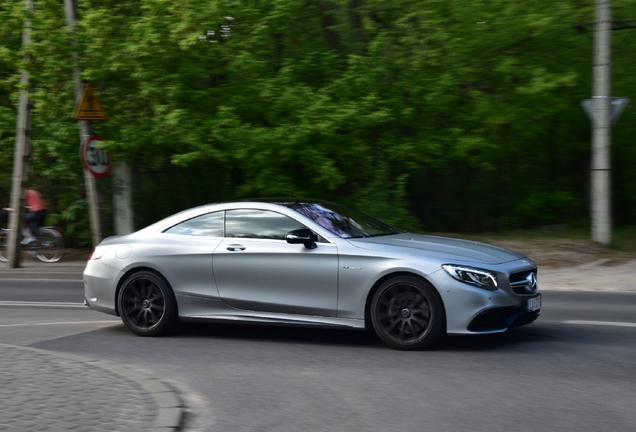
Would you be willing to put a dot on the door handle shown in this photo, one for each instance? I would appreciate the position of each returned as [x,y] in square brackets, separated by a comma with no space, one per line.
[235,247]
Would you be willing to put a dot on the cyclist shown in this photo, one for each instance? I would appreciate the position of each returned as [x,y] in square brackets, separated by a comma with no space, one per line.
[35,214]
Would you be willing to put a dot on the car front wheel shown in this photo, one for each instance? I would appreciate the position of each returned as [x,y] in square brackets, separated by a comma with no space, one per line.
[147,305]
[407,313]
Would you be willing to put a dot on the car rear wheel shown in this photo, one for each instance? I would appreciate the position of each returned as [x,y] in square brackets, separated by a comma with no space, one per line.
[147,305]
[407,313]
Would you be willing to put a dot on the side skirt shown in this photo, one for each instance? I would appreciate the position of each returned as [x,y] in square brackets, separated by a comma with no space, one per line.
[201,309]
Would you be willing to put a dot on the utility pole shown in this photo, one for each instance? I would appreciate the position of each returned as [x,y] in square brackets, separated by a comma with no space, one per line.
[21,155]
[603,111]
[601,130]
[122,198]
[86,130]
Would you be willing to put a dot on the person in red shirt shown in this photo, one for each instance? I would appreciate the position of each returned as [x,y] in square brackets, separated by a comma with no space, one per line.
[35,209]
[35,214]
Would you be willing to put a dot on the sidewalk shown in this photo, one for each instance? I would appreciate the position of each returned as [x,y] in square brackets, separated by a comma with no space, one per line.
[599,276]
[32,269]
[43,391]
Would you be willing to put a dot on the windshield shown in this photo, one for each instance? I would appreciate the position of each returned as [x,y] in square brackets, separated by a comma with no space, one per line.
[345,222]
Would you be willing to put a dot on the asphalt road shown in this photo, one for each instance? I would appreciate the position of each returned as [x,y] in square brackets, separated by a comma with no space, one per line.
[572,370]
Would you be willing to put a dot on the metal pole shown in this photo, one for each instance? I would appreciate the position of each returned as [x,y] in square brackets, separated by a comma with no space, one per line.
[86,130]
[601,135]
[20,156]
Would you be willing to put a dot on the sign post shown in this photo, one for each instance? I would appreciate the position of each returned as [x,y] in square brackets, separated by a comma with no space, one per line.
[85,130]
[601,164]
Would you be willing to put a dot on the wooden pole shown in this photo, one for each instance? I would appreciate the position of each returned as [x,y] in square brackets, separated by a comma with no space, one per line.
[20,156]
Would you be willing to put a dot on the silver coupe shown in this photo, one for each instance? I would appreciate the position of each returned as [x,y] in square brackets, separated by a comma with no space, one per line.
[309,263]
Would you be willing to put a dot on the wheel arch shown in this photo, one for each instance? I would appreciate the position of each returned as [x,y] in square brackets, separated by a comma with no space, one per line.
[379,282]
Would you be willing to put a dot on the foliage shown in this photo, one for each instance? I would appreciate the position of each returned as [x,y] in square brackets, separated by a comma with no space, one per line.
[442,115]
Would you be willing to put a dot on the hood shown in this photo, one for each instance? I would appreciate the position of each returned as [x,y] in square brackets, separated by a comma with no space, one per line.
[449,249]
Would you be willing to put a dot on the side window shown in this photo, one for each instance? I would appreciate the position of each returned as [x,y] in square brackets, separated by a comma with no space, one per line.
[261,224]
[207,225]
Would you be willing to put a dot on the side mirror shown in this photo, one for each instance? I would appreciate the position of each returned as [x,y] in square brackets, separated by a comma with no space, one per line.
[302,236]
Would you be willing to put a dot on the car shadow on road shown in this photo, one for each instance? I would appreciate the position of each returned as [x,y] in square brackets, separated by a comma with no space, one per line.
[354,338]
[513,338]
[531,337]
[273,333]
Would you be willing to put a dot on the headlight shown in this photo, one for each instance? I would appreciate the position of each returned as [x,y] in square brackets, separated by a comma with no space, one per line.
[473,276]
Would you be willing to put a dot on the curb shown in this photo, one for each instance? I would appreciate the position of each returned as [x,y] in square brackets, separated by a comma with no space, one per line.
[170,409]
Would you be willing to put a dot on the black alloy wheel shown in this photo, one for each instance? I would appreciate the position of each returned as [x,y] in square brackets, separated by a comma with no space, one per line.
[147,305]
[407,313]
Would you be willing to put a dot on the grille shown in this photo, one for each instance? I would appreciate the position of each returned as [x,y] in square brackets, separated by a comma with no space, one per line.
[525,282]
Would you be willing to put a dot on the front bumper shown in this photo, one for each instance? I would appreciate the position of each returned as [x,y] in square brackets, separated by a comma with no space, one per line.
[473,310]
[501,319]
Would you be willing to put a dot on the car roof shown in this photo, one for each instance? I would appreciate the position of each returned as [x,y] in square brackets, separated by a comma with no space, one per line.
[279,200]
[280,204]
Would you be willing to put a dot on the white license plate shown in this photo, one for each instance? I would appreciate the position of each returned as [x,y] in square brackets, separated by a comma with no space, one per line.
[533,304]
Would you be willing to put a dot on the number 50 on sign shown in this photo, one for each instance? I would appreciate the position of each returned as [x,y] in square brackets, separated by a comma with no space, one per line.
[99,162]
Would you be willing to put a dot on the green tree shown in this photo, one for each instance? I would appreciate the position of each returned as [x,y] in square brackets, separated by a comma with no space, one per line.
[443,115]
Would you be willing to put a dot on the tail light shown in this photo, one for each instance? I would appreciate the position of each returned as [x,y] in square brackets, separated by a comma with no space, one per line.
[97,254]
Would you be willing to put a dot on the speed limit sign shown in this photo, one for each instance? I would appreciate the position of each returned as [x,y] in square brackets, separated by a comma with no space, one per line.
[99,162]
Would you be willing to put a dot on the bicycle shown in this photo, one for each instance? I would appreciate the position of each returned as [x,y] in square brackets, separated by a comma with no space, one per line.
[48,245]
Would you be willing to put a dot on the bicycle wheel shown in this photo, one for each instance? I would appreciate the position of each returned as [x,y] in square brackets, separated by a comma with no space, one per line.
[51,245]
[4,245]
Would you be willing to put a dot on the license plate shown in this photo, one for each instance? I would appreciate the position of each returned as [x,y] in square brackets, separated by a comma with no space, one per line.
[533,304]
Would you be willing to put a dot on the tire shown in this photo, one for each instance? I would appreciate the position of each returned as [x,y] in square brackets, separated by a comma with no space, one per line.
[51,245]
[407,313]
[4,245]
[147,304]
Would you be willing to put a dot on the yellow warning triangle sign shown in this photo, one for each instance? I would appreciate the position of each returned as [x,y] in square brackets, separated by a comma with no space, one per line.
[90,108]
